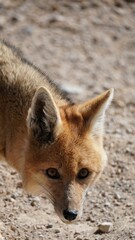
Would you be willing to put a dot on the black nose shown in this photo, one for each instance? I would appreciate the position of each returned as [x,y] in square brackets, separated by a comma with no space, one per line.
[70,214]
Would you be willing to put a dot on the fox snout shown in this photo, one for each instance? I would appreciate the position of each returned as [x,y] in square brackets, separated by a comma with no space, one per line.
[69,203]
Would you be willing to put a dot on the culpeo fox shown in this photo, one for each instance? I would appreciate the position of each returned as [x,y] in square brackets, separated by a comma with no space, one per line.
[55,145]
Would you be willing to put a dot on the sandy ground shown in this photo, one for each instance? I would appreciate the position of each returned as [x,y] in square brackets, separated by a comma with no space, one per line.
[86,47]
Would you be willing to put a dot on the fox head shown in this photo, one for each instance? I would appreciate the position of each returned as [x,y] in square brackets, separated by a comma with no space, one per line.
[64,154]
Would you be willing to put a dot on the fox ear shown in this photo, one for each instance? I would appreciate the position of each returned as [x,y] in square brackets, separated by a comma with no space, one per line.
[93,112]
[43,118]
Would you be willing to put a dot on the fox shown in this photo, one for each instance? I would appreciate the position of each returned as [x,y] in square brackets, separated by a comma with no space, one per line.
[56,145]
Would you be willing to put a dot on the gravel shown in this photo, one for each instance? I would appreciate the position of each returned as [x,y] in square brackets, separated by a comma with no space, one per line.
[89,45]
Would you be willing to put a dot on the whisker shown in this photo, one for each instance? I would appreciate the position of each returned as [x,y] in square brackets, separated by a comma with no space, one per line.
[45,190]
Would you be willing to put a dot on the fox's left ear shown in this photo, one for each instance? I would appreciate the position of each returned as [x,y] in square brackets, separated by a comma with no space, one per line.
[93,112]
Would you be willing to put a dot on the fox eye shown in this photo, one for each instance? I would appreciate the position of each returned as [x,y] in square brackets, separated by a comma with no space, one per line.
[83,173]
[52,173]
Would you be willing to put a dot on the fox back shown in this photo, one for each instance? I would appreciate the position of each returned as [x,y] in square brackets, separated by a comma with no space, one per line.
[56,146]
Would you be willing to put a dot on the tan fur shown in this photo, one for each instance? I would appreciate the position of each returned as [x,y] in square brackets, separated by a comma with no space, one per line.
[32,112]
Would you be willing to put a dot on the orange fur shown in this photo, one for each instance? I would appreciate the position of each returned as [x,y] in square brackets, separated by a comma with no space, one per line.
[44,136]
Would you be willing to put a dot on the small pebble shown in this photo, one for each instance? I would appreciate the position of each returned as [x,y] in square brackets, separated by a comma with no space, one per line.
[107,204]
[129,204]
[57,231]
[105,227]
[14,196]
[13,228]
[19,185]
[33,204]
[117,196]
[37,199]
[49,226]
[90,219]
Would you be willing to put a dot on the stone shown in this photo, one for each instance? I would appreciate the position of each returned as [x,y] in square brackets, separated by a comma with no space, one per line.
[57,231]
[49,226]
[117,196]
[105,227]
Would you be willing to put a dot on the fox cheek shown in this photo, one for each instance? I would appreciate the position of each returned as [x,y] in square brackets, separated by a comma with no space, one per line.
[43,118]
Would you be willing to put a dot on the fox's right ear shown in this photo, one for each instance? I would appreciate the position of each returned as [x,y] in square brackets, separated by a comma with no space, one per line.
[43,118]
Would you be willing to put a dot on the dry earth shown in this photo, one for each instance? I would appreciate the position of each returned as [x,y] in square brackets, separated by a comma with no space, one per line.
[87,47]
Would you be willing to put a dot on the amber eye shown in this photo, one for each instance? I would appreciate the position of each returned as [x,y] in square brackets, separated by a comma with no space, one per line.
[83,173]
[52,173]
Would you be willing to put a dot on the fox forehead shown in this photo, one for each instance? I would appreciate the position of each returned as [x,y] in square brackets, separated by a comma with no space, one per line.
[69,153]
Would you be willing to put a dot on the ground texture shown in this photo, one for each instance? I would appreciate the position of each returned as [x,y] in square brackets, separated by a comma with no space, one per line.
[86,47]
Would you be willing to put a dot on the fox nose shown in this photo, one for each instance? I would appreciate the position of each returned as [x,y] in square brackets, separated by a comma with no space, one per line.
[70,214]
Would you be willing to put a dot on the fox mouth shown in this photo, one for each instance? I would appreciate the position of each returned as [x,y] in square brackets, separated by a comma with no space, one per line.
[68,217]
[68,221]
